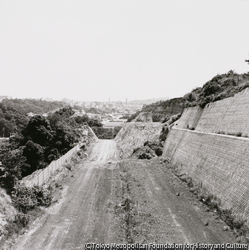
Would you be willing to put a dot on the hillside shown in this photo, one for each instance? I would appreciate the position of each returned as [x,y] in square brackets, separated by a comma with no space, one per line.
[162,110]
[14,113]
[219,87]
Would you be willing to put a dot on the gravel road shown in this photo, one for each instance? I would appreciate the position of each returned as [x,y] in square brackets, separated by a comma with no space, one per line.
[109,200]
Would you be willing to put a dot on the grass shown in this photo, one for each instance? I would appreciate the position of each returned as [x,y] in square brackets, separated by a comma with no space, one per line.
[27,201]
[19,223]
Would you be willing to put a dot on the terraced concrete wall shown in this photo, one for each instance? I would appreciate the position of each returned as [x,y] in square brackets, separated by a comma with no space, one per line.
[134,135]
[190,117]
[229,116]
[219,162]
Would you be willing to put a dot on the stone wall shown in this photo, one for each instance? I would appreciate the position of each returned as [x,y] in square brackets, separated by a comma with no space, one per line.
[218,162]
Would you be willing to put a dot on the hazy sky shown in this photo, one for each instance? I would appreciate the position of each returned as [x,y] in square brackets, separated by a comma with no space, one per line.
[93,50]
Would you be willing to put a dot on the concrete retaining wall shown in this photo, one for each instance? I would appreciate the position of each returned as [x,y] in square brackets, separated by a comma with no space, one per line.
[219,162]
[229,116]
[190,118]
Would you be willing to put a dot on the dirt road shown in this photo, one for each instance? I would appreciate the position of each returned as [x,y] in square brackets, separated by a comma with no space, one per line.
[123,201]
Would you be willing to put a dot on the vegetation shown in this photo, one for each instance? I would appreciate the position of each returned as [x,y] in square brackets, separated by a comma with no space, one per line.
[26,201]
[39,141]
[26,198]
[93,111]
[13,113]
[162,110]
[218,88]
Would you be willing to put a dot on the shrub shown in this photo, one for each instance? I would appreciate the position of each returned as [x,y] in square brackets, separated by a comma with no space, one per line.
[221,132]
[210,88]
[20,221]
[26,198]
[245,85]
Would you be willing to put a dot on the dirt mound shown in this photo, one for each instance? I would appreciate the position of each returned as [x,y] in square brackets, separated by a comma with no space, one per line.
[149,150]
[144,153]
[135,135]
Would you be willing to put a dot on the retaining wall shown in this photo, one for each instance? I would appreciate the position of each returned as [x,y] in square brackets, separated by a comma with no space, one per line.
[229,116]
[219,162]
[190,118]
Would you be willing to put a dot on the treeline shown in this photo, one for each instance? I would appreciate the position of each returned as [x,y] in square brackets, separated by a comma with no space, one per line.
[13,113]
[41,141]
[219,87]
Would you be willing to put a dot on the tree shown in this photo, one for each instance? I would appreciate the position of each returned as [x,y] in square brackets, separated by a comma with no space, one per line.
[64,137]
[11,169]
[210,88]
[34,154]
[38,130]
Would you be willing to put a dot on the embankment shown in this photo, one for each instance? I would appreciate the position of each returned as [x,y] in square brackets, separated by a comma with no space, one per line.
[210,153]
[134,135]
[190,118]
[7,211]
[228,116]
[219,163]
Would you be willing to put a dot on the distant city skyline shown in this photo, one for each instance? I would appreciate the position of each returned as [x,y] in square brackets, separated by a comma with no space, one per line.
[126,99]
[95,50]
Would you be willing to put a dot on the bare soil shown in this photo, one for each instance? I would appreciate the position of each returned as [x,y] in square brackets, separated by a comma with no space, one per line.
[108,200]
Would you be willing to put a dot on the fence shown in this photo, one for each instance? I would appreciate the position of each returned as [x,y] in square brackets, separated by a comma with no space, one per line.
[44,175]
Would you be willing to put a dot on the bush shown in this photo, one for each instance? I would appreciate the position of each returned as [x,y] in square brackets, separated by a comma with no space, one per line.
[20,221]
[210,88]
[26,198]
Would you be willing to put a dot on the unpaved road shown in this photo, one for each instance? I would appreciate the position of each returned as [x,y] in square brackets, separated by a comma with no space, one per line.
[123,201]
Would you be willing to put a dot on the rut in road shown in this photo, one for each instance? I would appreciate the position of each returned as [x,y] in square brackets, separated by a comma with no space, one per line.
[122,201]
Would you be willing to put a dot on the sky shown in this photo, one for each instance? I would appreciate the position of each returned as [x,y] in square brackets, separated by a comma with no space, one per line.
[137,49]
